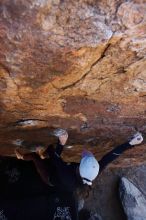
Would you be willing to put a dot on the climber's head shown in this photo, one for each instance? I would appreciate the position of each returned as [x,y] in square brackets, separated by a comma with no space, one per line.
[89,168]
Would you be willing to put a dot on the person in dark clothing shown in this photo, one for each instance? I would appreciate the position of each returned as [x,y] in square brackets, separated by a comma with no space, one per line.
[70,176]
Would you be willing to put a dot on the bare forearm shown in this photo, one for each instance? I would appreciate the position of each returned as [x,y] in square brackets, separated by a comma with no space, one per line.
[40,167]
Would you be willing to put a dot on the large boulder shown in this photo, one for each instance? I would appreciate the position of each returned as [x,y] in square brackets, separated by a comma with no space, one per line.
[133,201]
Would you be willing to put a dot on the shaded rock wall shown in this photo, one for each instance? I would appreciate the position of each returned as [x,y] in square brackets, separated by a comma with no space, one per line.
[105,198]
[80,65]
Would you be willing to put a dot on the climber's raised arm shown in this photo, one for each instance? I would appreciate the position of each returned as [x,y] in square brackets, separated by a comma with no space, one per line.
[116,152]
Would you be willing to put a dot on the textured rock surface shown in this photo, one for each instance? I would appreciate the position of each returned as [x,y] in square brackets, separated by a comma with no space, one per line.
[105,196]
[80,65]
[133,200]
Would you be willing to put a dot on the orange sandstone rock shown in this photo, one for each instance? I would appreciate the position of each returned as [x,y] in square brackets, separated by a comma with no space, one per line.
[79,65]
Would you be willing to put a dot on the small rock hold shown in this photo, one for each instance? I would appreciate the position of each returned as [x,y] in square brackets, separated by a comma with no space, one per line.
[84,126]
[113,108]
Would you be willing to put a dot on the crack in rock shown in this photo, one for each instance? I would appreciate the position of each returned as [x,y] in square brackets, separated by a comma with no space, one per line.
[86,73]
[29,122]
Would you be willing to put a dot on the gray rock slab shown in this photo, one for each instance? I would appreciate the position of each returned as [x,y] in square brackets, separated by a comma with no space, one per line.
[133,201]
